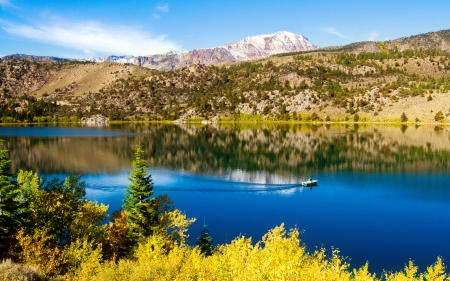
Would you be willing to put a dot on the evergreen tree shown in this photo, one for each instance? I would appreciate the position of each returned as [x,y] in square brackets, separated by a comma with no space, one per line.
[138,204]
[205,242]
[403,118]
[9,206]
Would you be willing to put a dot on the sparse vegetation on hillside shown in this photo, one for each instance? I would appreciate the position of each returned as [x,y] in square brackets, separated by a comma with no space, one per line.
[325,84]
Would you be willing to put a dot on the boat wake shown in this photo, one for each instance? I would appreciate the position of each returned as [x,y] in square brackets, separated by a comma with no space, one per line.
[166,181]
[201,183]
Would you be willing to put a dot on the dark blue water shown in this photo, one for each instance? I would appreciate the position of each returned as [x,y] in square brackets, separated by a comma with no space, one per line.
[385,219]
[385,215]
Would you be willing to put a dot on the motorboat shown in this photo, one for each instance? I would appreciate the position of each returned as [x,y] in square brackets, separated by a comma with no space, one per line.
[310,182]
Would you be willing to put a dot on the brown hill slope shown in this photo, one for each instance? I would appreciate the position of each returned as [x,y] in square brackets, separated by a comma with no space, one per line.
[34,58]
[20,76]
[439,40]
[376,86]
[81,78]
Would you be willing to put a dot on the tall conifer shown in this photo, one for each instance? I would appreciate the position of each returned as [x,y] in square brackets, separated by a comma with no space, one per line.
[205,242]
[138,204]
[9,206]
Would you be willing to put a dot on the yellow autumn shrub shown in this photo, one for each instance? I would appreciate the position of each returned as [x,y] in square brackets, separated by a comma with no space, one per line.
[37,251]
[278,256]
[82,259]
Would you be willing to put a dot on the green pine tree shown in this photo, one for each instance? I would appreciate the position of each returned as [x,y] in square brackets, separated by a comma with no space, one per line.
[138,204]
[9,205]
[403,118]
[205,242]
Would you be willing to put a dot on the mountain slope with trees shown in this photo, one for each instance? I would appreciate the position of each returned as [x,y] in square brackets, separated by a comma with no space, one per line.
[327,85]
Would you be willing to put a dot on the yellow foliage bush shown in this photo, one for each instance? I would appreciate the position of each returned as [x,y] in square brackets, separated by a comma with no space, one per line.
[82,259]
[37,251]
[278,256]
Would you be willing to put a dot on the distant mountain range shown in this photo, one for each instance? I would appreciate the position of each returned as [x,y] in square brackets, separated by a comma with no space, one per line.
[34,58]
[252,47]
[260,46]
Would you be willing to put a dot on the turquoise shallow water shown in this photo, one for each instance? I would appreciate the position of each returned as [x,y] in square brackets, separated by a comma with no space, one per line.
[380,199]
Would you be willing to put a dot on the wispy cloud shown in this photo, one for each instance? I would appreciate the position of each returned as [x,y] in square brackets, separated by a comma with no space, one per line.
[333,31]
[163,7]
[373,36]
[7,3]
[93,37]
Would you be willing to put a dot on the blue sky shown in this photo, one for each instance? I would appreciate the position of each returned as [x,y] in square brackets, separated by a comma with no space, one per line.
[82,28]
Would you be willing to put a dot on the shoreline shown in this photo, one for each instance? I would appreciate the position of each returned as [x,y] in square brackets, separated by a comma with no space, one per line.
[209,122]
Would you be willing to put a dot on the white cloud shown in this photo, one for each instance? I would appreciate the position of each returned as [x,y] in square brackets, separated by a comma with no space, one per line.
[333,31]
[373,36]
[162,7]
[93,37]
[156,16]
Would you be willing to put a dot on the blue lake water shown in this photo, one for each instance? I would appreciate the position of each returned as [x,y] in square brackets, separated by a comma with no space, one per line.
[366,216]
[383,194]
[50,131]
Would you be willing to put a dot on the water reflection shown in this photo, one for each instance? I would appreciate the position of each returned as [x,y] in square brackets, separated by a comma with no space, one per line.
[287,150]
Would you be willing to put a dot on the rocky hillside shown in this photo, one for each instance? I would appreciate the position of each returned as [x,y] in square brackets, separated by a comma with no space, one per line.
[34,58]
[22,76]
[439,41]
[311,87]
[369,84]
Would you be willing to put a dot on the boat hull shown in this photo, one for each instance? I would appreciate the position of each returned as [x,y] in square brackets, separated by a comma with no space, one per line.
[310,183]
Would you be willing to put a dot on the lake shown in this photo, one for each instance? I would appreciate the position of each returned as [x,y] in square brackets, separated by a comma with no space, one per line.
[383,194]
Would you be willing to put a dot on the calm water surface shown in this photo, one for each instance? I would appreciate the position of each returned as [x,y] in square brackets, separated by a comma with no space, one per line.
[383,194]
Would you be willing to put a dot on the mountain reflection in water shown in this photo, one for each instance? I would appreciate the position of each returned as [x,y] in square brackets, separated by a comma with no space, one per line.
[295,150]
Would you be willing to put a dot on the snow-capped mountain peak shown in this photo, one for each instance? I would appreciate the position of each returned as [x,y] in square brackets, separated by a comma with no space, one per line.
[259,46]
[252,47]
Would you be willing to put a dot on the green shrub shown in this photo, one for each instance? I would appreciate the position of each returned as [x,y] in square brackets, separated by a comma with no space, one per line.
[8,120]
[439,116]
[403,118]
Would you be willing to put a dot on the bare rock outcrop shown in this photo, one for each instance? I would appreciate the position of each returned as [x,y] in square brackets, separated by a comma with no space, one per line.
[95,120]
